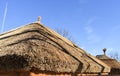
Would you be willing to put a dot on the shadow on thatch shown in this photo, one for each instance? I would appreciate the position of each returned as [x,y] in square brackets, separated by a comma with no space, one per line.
[41,49]
[34,37]
[10,62]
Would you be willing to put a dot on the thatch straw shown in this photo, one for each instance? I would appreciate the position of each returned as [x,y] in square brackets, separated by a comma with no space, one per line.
[35,46]
[112,63]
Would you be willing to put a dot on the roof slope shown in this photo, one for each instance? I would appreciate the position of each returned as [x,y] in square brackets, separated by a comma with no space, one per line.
[114,64]
[35,46]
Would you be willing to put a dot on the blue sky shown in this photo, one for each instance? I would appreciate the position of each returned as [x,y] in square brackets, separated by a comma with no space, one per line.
[93,24]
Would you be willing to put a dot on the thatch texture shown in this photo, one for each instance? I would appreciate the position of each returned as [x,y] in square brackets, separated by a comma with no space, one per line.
[114,64]
[36,47]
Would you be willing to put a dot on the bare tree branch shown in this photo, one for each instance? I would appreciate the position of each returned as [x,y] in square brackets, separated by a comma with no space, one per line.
[115,55]
[65,33]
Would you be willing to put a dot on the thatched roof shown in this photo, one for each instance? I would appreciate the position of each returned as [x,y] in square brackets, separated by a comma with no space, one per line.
[103,57]
[36,47]
[114,64]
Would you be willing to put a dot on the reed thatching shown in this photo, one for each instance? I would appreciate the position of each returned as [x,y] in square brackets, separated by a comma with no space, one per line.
[36,47]
[112,63]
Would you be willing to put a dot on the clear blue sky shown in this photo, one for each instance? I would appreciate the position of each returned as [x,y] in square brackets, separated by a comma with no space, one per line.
[94,24]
